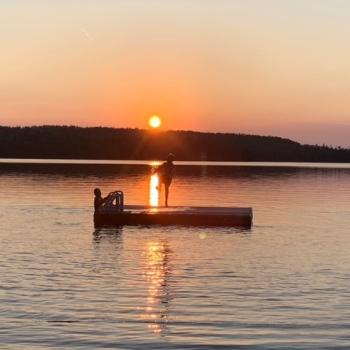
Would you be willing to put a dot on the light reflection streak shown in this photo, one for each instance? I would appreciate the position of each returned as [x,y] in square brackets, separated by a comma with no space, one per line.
[154,191]
[157,274]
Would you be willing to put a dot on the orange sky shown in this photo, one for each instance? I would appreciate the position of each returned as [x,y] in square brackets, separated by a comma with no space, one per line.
[267,67]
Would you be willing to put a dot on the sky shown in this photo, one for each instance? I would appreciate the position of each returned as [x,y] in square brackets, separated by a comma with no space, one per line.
[268,67]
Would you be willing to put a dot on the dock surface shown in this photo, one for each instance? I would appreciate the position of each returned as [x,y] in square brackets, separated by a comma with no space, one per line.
[176,215]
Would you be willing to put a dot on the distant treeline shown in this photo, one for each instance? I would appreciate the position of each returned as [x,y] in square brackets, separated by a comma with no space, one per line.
[69,142]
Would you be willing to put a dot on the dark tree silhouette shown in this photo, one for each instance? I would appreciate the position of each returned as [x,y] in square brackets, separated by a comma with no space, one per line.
[70,142]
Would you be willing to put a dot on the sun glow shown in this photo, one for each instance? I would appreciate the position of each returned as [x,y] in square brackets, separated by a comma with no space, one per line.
[154,122]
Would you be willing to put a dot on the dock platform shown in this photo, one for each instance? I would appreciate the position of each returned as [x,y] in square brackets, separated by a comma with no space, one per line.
[176,215]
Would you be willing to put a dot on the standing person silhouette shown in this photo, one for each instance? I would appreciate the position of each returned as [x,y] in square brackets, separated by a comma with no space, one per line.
[165,172]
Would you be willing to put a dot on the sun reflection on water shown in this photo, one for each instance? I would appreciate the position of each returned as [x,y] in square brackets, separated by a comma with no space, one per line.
[154,191]
[157,273]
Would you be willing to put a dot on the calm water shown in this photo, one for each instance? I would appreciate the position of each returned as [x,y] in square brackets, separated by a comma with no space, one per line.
[284,284]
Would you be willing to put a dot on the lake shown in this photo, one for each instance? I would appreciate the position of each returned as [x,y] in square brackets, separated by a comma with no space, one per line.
[283,284]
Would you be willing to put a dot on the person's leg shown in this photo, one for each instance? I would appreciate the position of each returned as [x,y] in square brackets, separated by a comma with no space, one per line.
[166,186]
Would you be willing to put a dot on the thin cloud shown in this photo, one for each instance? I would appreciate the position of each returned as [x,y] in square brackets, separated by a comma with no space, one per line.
[86,34]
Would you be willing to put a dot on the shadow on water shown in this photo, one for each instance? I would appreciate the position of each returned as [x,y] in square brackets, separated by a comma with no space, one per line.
[110,233]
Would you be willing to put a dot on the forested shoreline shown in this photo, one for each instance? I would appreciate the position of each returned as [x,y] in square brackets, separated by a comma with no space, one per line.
[71,142]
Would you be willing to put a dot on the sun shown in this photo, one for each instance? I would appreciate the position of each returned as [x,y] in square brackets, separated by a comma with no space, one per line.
[154,121]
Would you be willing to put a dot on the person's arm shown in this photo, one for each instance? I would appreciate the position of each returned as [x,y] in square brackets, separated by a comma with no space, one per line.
[158,169]
[103,200]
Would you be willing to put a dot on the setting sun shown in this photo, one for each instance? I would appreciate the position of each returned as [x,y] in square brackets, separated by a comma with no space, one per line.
[154,121]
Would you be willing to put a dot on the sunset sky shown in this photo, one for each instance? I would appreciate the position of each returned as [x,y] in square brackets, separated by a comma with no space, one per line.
[272,67]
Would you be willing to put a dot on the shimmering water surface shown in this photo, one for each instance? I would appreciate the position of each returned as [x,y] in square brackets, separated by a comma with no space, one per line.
[284,284]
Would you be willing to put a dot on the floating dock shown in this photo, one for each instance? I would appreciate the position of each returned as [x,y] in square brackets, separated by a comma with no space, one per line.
[177,215]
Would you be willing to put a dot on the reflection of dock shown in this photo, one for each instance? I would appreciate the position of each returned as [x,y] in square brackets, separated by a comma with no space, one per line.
[178,215]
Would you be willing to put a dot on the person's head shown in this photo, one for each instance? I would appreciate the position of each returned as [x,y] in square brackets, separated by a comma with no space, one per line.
[170,157]
[97,192]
